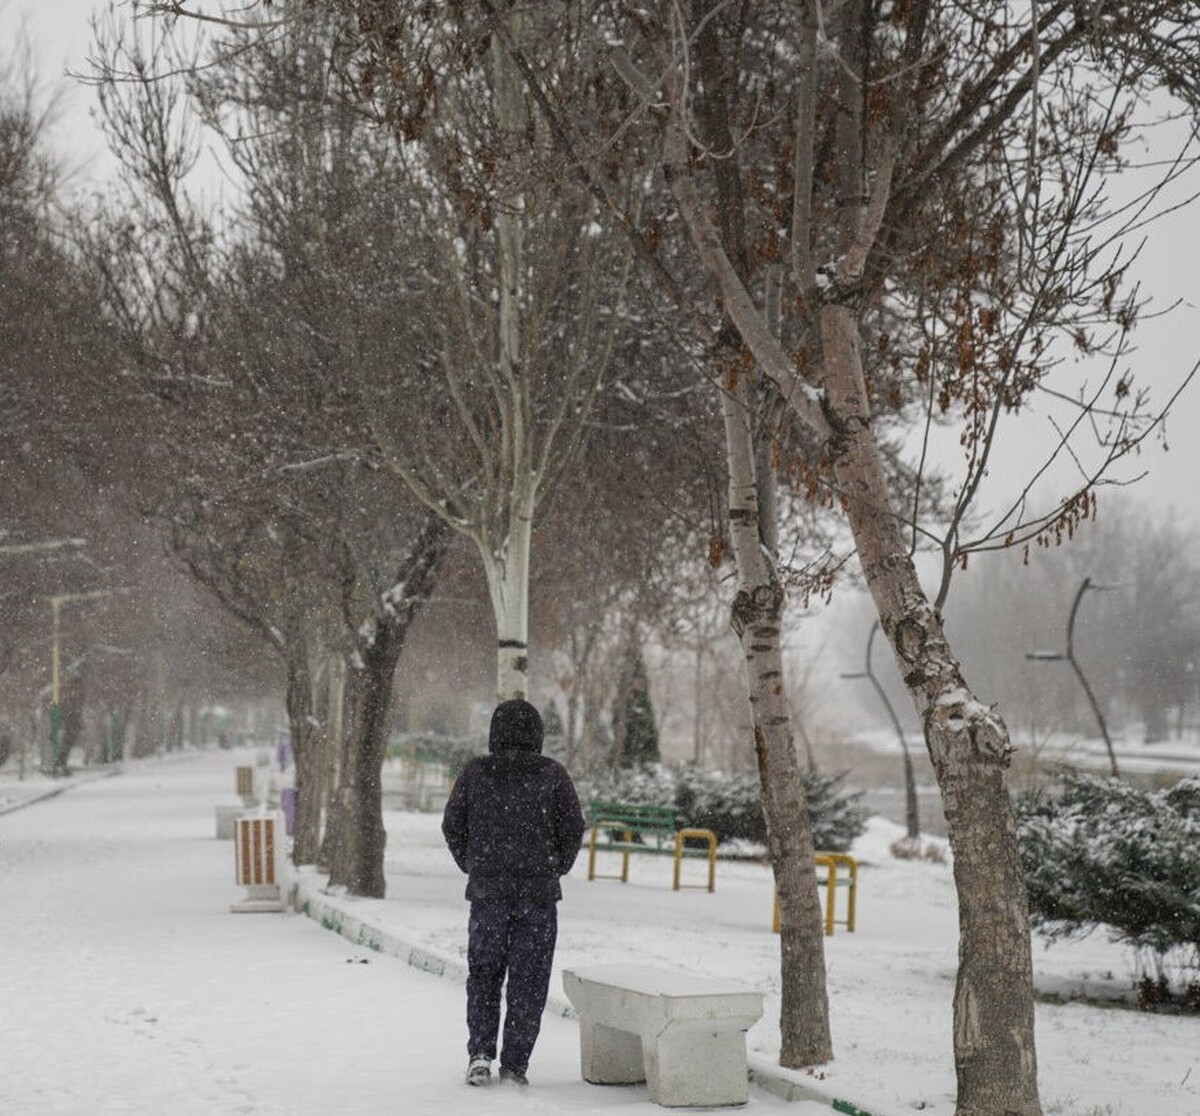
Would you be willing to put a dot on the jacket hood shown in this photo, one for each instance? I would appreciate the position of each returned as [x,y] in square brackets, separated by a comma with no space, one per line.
[516,725]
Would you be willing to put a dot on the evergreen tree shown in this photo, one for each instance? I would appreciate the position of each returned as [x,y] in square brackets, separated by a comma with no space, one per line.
[635,731]
[552,719]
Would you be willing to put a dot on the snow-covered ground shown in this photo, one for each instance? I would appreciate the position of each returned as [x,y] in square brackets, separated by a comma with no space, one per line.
[127,987]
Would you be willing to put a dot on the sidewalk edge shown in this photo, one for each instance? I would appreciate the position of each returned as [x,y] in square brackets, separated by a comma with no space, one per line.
[800,1085]
[68,783]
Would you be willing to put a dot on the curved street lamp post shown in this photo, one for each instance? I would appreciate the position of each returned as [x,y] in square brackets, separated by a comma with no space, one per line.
[912,816]
[1068,656]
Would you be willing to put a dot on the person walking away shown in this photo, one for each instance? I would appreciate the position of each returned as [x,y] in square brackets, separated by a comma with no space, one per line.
[513,824]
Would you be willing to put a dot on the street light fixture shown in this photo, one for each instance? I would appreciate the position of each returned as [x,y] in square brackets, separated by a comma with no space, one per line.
[56,603]
[1068,656]
[912,816]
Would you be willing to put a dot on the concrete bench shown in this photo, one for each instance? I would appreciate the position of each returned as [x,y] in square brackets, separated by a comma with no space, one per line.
[684,1036]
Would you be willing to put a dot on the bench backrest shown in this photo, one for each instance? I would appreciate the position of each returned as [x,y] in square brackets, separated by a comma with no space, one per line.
[639,816]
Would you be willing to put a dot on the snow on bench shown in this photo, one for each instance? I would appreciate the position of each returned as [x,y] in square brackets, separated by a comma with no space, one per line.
[684,1036]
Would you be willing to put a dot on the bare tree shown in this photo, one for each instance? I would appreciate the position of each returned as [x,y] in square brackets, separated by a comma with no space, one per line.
[278,516]
[534,291]
[877,161]
[899,161]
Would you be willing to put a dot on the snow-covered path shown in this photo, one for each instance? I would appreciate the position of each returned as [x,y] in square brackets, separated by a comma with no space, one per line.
[127,987]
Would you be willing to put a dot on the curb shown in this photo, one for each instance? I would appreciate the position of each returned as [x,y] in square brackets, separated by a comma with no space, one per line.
[308,898]
[311,901]
[70,782]
[796,1086]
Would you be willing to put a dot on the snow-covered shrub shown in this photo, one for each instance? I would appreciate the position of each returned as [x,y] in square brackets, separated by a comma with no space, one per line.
[1103,853]
[837,818]
[909,848]
[453,751]
[652,785]
[729,803]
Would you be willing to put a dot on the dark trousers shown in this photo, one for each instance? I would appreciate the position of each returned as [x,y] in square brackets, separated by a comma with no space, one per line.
[517,941]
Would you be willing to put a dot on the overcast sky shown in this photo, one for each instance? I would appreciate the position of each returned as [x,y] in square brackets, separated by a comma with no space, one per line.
[59,36]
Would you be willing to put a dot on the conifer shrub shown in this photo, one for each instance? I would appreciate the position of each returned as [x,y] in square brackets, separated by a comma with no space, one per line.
[552,719]
[1100,852]
[635,728]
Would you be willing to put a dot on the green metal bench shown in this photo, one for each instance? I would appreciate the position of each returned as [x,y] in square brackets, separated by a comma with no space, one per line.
[627,828]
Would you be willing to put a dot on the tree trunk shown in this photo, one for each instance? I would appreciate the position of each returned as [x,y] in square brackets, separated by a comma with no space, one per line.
[306,751]
[572,728]
[757,613]
[757,616]
[355,837]
[330,760]
[508,587]
[70,725]
[118,731]
[994,1053]
[143,734]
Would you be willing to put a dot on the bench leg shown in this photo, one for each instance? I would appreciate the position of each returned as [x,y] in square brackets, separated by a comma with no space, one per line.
[696,1066]
[608,1056]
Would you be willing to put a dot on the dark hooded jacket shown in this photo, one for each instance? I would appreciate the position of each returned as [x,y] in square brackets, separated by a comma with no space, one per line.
[513,821]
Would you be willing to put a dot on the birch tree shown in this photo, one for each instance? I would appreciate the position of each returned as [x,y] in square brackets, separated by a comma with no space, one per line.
[531,291]
[872,160]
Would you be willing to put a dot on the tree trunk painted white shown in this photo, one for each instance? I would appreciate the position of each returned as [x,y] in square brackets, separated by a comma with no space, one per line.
[508,588]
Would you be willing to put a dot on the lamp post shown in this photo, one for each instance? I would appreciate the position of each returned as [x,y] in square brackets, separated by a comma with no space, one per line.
[1068,656]
[912,816]
[56,603]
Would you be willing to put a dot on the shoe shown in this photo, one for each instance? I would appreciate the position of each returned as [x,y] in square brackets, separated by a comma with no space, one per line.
[515,1076]
[479,1071]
